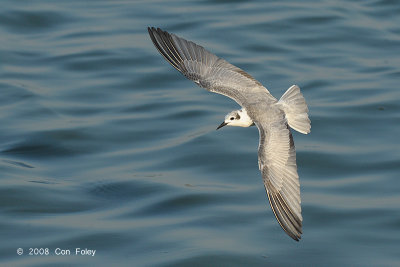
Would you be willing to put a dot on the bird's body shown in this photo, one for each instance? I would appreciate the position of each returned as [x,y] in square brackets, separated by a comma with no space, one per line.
[276,152]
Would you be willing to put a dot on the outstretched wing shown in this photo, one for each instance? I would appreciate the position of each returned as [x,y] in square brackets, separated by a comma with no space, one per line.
[206,69]
[277,163]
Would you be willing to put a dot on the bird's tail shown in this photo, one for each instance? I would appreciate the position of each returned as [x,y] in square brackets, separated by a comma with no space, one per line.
[295,107]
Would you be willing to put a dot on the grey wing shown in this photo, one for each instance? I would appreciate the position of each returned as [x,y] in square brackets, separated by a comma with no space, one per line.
[206,69]
[277,162]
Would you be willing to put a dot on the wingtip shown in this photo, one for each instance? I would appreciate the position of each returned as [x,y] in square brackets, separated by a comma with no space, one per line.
[290,224]
[295,237]
[152,29]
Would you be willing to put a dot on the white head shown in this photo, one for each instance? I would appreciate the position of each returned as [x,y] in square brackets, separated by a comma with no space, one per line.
[237,118]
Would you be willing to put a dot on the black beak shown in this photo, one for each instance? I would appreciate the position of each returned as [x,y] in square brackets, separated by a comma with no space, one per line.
[222,125]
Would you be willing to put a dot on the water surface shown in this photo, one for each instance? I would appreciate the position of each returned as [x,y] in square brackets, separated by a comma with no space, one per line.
[105,146]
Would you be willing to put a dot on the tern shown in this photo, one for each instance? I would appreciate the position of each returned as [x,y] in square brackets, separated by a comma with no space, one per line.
[273,118]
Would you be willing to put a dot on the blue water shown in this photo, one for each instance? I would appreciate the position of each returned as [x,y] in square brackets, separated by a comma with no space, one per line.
[105,146]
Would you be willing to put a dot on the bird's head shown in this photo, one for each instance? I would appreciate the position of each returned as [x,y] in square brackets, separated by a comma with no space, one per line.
[237,118]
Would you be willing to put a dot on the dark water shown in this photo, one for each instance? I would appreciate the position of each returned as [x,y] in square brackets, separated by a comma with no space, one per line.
[105,146]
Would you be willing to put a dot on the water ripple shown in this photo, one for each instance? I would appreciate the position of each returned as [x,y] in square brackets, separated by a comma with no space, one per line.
[103,145]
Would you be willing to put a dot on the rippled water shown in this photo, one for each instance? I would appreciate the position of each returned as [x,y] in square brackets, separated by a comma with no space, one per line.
[105,146]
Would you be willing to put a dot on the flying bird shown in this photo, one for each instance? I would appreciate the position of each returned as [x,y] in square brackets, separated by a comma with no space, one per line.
[273,118]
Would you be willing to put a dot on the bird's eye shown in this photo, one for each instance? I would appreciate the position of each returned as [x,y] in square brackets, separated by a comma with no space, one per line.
[231,118]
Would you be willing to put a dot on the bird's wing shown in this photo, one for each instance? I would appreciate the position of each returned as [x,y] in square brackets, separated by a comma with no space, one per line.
[277,163]
[206,69]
